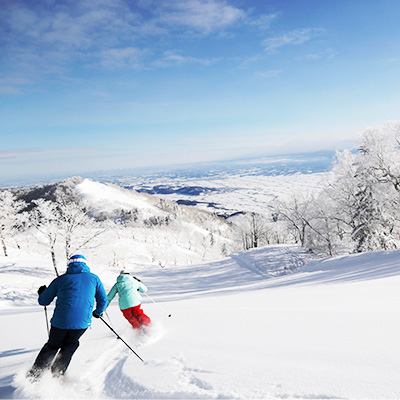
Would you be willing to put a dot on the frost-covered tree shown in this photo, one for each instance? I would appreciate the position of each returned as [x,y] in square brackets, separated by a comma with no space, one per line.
[341,188]
[376,209]
[298,211]
[380,153]
[250,228]
[45,217]
[333,208]
[254,230]
[73,217]
[373,227]
[64,223]
[311,220]
[326,227]
[364,191]
[11,217]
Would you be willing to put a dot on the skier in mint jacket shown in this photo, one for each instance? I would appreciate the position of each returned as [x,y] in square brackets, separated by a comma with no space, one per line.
[76,292]
[129,289]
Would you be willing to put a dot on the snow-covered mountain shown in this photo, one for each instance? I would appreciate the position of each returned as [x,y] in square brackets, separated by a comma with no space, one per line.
[268,324]
[137,228]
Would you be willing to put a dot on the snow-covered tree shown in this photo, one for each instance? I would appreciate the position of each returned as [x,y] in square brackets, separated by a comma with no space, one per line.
[341,188]
[376,209]
[253,230]
[298,212]
[364,191]
[73,217]
[45,217]
[64,223]
[380,153]
[325,230]
[333,208]
[10,216]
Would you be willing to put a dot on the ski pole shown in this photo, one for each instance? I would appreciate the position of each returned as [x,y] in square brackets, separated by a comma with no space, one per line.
[47,321]
[169,315]
[123,341]
[108,317]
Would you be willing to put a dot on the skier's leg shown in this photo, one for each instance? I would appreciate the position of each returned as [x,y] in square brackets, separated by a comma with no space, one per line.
[131,318]
[48,352]
[68,348]
[141,316]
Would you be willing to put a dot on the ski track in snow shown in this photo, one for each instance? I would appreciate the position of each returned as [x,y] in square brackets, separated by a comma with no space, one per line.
[98,381]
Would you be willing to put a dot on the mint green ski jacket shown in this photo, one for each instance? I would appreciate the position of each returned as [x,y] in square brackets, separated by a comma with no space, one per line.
[128,289]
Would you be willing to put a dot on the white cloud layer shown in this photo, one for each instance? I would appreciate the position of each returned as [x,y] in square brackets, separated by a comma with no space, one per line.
[204,16]
[295,37]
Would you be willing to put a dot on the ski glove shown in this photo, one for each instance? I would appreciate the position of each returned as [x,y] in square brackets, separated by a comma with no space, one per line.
[41,289]
[96,315]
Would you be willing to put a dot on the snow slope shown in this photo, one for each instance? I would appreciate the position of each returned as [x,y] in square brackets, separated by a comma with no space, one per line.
[104,198]
[257,324]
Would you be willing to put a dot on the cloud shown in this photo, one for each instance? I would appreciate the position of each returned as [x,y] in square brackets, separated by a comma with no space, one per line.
[202,16]
[326,54]
[295,37]
[40,39]
[262,22]
[38,152]
[268,74]
[122,58]
[52,37]
[14,84]
[171,58]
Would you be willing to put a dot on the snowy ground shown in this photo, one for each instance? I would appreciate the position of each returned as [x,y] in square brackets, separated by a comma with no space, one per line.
[248,326]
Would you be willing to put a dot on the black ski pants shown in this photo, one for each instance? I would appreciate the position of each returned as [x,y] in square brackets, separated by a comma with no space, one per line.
[61,341]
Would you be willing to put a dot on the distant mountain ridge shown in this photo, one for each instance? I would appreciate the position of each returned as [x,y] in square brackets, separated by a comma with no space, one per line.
[140,226]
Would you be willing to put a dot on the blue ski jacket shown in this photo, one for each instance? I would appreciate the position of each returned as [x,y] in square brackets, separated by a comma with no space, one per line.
[76,291]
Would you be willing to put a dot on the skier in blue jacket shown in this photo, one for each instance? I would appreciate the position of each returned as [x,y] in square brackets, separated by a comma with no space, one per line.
[76,292]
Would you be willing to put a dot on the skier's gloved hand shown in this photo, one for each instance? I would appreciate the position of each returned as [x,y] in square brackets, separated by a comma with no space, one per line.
[41,289]
[96,315]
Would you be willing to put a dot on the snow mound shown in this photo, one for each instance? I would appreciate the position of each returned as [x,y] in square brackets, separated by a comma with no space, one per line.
[106,198]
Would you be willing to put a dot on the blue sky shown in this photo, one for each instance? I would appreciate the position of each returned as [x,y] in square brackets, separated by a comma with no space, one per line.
[106,84]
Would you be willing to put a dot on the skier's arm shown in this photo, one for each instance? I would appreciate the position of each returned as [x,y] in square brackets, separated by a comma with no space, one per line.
[111,294]
[101,298]
[47,296]
[142,287]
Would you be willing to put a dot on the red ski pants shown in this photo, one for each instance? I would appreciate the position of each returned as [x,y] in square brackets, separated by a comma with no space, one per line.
[136,316]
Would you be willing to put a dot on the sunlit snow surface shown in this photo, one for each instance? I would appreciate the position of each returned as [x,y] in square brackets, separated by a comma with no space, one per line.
[268,323]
